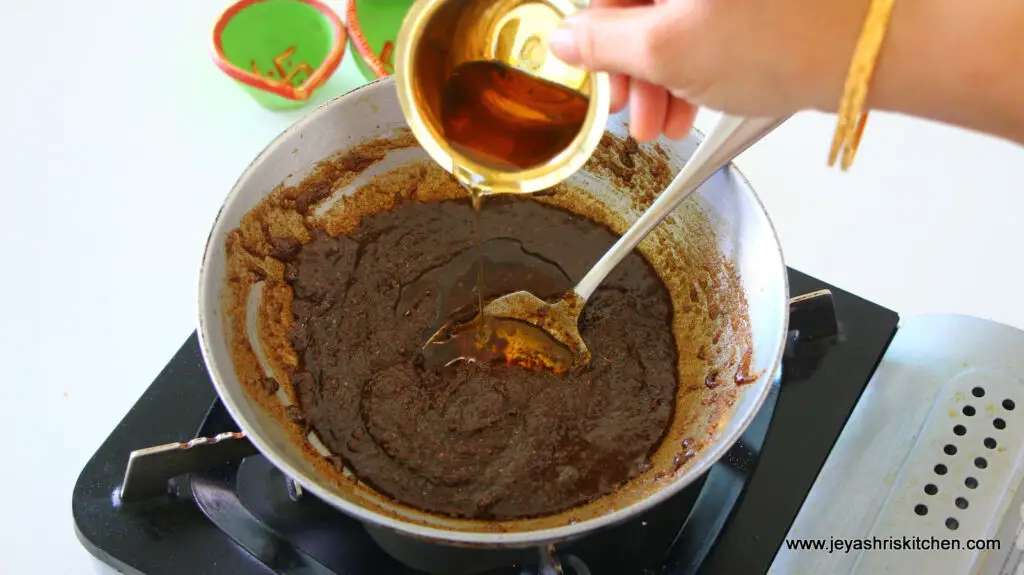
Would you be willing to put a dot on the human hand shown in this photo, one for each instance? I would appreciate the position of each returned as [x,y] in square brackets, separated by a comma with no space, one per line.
[742,57]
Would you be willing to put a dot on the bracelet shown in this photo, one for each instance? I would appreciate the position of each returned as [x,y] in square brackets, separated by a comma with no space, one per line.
[851,115]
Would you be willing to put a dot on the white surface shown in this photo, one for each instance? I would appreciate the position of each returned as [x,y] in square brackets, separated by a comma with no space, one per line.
[877,472]
[120,139]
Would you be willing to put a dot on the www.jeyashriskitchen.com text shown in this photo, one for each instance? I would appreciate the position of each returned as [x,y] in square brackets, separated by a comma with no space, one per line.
[906,543]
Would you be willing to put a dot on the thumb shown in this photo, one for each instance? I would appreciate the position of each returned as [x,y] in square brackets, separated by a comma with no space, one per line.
[613,40]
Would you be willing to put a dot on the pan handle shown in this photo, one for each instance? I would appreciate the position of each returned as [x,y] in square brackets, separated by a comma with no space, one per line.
[813,329]
[551,562]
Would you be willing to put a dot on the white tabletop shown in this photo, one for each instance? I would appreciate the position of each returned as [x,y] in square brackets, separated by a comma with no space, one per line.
[120,140]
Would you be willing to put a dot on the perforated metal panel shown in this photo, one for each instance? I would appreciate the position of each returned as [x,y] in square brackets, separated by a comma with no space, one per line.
[933,449]
[958,479]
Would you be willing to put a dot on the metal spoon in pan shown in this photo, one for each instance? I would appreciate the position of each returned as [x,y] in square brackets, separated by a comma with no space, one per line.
[529,331]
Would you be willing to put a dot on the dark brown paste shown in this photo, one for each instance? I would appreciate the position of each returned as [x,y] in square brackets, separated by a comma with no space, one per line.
[472,440]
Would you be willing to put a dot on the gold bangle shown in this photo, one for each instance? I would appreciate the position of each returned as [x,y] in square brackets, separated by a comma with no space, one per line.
[851,115]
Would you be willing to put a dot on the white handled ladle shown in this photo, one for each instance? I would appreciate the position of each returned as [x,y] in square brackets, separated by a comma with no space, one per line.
[730,137]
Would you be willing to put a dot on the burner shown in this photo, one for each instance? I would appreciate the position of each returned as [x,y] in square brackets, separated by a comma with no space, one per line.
[147,504]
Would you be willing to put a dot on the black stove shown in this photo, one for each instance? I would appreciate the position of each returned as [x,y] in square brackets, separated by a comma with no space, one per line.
[235,513]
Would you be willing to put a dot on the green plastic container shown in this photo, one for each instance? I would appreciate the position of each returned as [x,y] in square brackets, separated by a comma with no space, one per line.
[372,25]
[279,51]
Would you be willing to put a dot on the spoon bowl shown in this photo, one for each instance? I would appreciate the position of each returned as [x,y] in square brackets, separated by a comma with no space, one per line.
[559,320]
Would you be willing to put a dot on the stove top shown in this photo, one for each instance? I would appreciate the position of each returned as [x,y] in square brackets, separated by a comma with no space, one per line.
[240,515]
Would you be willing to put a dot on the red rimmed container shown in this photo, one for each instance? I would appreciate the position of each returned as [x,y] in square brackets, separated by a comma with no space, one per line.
[373,27]
[279,51]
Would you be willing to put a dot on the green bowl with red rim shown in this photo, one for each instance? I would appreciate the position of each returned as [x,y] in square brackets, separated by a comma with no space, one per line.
[373,27]
[279,51]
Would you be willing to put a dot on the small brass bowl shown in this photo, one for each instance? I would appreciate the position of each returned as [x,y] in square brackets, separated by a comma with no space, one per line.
[439,35]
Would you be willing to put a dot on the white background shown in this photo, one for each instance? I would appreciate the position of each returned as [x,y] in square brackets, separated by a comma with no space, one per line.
[120,140]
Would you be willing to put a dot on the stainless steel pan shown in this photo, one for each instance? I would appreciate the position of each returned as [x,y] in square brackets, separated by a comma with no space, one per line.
[723,224]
